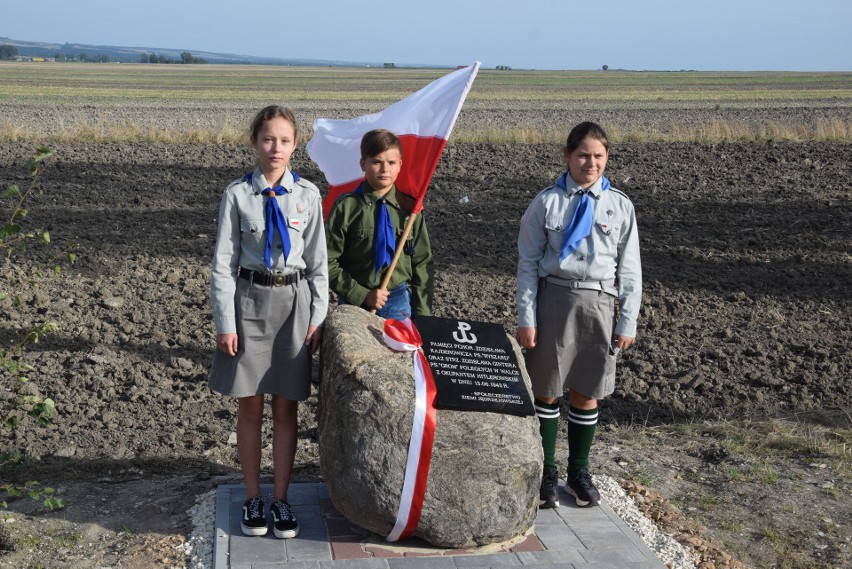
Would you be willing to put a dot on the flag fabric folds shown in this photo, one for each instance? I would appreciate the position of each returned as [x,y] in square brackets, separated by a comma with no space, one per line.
[423,122]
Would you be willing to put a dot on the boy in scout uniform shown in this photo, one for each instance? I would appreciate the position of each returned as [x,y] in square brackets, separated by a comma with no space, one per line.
[362,230]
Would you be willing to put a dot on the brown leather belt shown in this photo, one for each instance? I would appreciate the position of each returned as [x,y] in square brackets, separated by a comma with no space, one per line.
[265,279]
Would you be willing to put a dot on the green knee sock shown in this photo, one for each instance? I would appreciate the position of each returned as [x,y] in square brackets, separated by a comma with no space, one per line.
[581,431]
[548,423]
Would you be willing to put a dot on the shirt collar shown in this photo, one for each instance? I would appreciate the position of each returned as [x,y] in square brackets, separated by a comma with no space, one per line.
[567,183]
[259,183]
[370,195]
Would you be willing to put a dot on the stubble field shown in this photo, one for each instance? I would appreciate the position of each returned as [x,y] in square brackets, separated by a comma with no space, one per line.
[733,405]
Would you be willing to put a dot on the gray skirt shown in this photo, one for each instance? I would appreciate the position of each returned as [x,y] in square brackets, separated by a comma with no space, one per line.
[272,357]
[574,344]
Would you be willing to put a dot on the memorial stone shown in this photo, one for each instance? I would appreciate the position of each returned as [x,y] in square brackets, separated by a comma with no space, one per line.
[485,468]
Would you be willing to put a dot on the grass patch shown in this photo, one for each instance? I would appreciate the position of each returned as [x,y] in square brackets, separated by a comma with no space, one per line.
[760,471]
[76,130]
[642,476]
[797,438]
[50,541]
[702,502]
[80,129]
[72,89]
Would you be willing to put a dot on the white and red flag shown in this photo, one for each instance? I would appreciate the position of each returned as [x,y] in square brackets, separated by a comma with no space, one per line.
[423,122]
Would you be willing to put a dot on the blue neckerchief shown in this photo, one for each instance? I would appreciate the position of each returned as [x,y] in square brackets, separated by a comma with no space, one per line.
[385,245]
[581,222]
[275,219]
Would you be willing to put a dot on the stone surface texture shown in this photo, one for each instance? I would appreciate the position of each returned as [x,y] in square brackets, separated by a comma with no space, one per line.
[486,467]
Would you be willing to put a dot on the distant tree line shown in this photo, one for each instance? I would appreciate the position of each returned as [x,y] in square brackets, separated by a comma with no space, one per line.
[185,57]
[8,52]
[102,58]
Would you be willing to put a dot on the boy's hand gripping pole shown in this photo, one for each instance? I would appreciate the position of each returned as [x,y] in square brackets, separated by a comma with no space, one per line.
[399,247]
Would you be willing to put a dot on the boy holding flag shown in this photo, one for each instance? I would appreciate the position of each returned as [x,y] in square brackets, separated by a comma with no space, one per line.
[384,195]
[363,232]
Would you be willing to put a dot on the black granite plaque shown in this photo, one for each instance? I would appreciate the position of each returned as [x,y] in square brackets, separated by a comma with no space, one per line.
[474,366]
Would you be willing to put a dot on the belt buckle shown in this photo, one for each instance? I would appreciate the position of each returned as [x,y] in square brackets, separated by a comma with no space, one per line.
[279,280]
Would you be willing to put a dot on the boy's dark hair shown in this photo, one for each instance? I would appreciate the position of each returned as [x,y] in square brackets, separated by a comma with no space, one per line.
[377,141]
[269,113]
[586,130]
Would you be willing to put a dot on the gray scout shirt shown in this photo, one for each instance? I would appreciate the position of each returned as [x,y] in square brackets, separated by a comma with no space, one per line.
[606,259]
[242,237]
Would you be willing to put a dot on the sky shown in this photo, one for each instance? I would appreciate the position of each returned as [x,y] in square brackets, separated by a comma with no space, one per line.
[735,35]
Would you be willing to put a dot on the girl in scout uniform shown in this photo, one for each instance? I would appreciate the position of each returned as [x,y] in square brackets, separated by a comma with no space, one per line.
[270,297]
[362,231]
[578,252]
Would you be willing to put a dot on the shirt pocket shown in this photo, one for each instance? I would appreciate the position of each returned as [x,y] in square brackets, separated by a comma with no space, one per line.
[555,230]
[252,229]
[410,243]
[362,232]
[607,232]
[296,224]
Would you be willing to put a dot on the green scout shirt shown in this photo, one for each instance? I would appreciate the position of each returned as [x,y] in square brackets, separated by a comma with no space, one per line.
[350,231]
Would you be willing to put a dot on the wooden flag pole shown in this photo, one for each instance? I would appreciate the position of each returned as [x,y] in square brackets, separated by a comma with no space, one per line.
[399,247]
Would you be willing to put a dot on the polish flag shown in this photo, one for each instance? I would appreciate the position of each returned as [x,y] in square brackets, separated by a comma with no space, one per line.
[423,122]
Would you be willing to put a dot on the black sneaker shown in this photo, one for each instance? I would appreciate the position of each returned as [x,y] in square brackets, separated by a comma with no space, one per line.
[581,487]
[549,493]
[284,522]
[254,522]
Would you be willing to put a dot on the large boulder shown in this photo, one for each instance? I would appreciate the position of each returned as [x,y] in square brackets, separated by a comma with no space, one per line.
[486,467]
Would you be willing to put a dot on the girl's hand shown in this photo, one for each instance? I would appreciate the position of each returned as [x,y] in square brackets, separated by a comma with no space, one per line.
[314,338]
[527,337]
[228,343]
[622,342]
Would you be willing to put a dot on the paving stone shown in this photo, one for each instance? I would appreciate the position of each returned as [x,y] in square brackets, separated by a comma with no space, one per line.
[557,537]
[255,549]
[489,560]
[566,537]
[558,566]
[278,565]
[564,556]
[432,562]
[549,516]
[301,549]
[347,548]
[616,555]
[531,543]
[354,564]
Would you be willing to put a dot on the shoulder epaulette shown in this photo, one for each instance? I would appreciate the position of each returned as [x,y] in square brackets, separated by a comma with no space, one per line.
[238,181]
[619,192]
[342,197]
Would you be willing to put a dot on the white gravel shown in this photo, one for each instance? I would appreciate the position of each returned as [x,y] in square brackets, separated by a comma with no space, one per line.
[199,547]
[667,549]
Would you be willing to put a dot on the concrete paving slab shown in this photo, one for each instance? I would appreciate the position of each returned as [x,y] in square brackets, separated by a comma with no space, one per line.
[568,536]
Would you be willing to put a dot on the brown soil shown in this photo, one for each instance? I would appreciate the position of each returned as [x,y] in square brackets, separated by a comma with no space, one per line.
[745,318]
